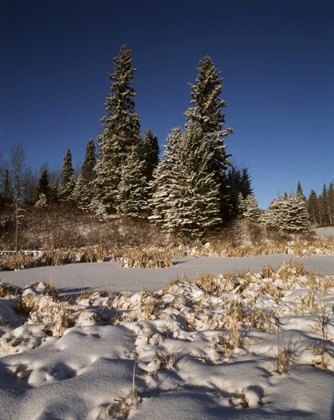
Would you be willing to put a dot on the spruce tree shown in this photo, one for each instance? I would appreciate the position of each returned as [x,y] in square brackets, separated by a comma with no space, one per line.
[330,203]
[67,180]
[313,209]
[150,153]
[239,182]
[121,130]
[162,183]
[89,162]
[323,204]
[42,201]
[288,214]
[83,192]
[44,185]
[251,211]
[133,188]
[186,197]
[207,114]
[300,191]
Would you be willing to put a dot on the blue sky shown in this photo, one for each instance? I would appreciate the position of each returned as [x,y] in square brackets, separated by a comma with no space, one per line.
[276,58]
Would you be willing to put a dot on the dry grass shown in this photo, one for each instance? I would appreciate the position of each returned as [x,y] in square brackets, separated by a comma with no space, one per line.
[61,234]
[151,257]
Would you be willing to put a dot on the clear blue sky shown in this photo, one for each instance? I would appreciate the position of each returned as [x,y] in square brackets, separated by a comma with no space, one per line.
[276,58]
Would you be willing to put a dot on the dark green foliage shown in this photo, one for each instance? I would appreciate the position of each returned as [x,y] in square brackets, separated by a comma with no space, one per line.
[239,182]
[83,192]
[150,153]
[186,197]
[89,162]
[133,188]
[121,131]
[288,214]
[67,180]
[44,185]
[207,114]
[300,191]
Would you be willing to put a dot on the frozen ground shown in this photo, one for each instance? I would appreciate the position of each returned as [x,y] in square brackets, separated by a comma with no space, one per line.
[326,231]
[253,346]
[109,276]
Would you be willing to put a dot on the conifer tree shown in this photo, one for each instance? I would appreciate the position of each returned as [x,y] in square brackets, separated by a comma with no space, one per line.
[207,114]
[288,213]
[133,188]
[89,162]
[83,192]
[251,211]
[162,183]
[150,153]
[186,197]
[121,130]
[330,203]
[42,201]
[323,205]
[44,185]
[300,191]
[239,182]
[67,180]
[313,209]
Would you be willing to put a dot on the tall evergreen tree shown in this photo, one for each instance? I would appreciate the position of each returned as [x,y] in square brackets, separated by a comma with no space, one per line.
[133,187]
[186,197]
[150,153]
[207,114]
[313,209]
[251,209]
[162,184]
[323,206]
[121,130]
[83,191]
[44,185]
[330,203]
[300,191]
[89,162]
[239,182]
[67,180]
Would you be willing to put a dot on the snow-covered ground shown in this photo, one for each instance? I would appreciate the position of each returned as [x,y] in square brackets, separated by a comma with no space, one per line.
[235,346]
[108,275]
[325,231]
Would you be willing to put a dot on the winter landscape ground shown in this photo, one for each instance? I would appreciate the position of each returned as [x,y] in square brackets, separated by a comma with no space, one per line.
[236,338]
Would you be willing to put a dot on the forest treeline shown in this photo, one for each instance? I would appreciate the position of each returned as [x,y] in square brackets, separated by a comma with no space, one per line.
[192,189]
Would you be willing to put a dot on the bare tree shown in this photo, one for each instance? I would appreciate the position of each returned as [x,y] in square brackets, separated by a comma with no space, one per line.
[19,169]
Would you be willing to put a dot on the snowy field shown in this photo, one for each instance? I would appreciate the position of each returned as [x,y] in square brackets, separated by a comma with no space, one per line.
[234,346]
[326,231]
[72,278]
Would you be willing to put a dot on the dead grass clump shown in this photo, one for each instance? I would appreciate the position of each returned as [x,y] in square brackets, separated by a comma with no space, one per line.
[266,272]
[9,290]
[283,359]
[167,360]
[259,318]
[207,282]
[289,270]
[120,408]
[171,283]
[146,258]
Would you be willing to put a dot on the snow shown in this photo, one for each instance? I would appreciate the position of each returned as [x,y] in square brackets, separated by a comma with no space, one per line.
[239,346]
[326,231]
[75,277]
